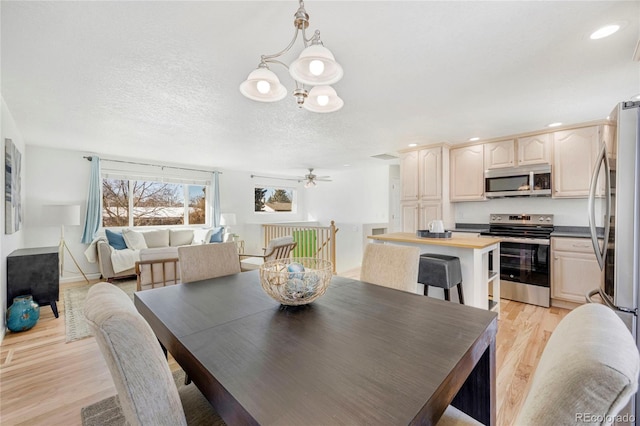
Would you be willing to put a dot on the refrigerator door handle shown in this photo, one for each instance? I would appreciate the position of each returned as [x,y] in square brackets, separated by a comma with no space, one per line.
[600,252]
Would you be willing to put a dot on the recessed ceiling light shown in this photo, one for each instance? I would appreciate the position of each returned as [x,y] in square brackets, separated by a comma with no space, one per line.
[556,124]
[347,165]
[636,97]
[605,31]
[413,144]
[474,139]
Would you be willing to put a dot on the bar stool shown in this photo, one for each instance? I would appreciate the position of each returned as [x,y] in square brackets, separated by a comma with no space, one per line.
[439,270]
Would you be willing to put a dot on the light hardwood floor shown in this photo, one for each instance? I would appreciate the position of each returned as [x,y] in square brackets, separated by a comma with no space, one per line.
[45,381]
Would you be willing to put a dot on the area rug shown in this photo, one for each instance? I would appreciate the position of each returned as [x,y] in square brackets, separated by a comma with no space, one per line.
[108,412]
[75,325]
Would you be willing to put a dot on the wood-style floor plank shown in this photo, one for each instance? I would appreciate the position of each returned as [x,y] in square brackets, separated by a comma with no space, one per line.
[45,381]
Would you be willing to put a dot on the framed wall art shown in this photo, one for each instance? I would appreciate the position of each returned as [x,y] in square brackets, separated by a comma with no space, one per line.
[12,188]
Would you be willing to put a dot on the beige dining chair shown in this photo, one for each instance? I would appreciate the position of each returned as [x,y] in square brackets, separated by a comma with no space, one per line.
[391,266]
[201,262]
[278,248]
[146,389]
[590,366]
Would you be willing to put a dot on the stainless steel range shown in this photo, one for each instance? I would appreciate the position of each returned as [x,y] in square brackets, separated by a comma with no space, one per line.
[524,256]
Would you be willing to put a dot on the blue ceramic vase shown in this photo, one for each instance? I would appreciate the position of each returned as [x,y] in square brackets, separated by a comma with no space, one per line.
[23,314]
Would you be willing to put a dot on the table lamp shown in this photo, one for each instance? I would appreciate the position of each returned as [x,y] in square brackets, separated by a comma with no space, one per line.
[64,214]
[228,220]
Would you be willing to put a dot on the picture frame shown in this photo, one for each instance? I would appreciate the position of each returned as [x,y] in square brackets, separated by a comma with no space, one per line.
[12,187]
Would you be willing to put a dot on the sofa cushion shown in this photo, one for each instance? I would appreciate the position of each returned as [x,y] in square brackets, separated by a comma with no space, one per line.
[134,239]
[157,238]
[180,237]
[116,240]
[215,235]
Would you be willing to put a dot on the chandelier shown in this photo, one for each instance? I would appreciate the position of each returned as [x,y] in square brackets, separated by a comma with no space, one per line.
[316,66]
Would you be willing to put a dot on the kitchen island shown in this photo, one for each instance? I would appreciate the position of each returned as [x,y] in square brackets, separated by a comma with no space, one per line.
[480,284]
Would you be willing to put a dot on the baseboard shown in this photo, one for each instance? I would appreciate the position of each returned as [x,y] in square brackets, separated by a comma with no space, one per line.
[73,278]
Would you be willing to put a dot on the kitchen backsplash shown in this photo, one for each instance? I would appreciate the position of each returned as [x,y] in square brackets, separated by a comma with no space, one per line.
[566,212]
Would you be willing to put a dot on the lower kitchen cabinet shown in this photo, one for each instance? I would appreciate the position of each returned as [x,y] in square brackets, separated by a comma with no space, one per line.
[574,270]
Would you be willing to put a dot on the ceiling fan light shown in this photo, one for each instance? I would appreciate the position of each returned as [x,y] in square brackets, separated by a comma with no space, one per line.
[323,99]
[263,85]
[304,68]
[310,184]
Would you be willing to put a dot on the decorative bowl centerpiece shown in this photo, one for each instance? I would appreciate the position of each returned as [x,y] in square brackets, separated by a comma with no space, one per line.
[296,281]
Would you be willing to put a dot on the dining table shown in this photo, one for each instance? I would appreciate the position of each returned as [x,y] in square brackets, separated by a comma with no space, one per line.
[360,354]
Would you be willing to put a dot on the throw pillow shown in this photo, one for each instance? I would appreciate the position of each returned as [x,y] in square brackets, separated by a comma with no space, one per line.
[134,239]
[180,237]
[156,238]
[216,235]
[115,240]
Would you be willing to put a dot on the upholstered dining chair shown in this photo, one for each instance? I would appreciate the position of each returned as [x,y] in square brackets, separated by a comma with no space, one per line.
[201,262]
[147,392]
[590,366]
[391,266]
[278,248]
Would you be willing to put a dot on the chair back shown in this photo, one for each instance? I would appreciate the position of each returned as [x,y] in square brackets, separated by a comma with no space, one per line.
[280,252]
[201,262]
[391,266]
[156,273]
[145,386]
[590,366]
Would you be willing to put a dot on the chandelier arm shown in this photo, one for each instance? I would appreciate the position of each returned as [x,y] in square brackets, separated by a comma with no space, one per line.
[275,61]
[285,50]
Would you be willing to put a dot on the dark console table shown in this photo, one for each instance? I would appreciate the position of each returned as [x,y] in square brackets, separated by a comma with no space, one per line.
[34,271]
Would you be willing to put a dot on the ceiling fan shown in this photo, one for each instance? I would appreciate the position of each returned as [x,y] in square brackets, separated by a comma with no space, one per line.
[309,179]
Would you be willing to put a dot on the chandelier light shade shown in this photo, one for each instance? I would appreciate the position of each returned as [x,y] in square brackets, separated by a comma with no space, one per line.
[323,99]
[315,66]
[264,86]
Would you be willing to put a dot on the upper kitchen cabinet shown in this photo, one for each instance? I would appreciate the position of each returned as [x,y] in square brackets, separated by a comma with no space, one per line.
[409,176]
[500,154]
[534,149]
[430,173]
[574,154]
[425,189]
[467,173]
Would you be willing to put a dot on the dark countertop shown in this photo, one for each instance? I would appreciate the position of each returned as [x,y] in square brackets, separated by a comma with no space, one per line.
[470,227]
[575,232]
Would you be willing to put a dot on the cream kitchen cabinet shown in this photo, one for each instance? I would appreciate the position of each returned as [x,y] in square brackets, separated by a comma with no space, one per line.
[409,176]
[425,190]
[418,215]
[574,269]
[500,154]
[574,154]
[534,149]
[467,173]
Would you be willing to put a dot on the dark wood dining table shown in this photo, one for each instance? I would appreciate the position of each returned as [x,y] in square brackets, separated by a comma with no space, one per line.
[360,354]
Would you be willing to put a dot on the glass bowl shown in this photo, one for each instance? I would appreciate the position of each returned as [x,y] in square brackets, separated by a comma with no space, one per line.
[296,281]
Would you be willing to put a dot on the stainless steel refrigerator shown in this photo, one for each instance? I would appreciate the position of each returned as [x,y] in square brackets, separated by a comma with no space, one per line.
[614,217]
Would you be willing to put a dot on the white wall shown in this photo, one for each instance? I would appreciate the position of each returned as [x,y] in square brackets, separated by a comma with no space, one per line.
[9,130]
[567,212]
[56,176]
[353,198]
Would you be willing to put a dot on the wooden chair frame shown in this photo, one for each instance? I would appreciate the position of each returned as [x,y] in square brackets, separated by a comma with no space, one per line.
[278,252]
[164,279]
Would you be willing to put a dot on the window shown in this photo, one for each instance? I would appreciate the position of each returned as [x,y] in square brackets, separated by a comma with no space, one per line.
[148,203]
[274,200]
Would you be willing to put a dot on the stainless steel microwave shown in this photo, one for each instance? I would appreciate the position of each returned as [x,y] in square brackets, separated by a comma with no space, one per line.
[527,181]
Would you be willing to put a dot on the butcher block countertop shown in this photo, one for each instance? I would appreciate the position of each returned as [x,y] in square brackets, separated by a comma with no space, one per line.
[454,241]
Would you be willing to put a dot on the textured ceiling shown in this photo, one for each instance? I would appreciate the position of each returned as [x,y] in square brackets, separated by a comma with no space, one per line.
[159,80]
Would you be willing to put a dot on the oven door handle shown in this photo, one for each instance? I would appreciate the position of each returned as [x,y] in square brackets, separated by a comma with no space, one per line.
[538,241]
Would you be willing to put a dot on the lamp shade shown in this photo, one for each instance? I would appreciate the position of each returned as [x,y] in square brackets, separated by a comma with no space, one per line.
[316,66]
[323,99]
[62,214]
[263,85]
[227,219]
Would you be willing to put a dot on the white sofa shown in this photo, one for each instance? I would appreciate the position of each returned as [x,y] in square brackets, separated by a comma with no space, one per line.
[146,245]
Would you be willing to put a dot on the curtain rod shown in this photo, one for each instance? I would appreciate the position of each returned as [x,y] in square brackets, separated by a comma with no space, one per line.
[89,158]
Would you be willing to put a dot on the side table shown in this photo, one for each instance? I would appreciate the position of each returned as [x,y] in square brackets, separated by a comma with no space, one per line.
[34,271]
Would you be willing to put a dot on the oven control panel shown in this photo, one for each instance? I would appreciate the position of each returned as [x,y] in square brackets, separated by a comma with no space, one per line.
[521,219]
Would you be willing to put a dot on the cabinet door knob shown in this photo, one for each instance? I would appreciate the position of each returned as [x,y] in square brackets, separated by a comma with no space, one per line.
[555,258]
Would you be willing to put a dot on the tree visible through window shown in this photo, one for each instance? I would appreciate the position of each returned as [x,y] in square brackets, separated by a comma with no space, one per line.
[151,203]
[273,199]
